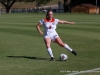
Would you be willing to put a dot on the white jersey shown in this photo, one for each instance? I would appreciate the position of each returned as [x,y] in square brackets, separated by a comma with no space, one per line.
[49,27]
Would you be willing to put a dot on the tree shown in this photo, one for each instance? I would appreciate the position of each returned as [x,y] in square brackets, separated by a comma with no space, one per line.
[9,3]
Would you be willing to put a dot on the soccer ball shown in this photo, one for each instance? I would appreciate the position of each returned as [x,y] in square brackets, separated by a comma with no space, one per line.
[63,57]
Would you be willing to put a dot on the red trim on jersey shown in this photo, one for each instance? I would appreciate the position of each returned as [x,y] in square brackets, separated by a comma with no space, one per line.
[46,20]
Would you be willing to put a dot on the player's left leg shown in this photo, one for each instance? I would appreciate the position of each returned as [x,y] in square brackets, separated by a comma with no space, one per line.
[47,43]
[62,44]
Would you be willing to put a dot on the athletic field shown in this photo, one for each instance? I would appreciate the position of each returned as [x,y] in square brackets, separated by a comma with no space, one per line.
[23,52]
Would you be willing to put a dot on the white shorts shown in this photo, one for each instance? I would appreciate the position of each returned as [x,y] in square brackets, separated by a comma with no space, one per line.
[52,36]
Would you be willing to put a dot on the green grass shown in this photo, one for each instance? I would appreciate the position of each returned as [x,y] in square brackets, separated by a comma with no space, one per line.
[23,52]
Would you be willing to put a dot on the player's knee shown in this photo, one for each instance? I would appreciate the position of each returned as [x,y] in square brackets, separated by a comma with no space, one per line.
[48,45]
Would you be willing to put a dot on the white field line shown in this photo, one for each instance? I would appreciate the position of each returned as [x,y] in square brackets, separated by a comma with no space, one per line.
[86,71]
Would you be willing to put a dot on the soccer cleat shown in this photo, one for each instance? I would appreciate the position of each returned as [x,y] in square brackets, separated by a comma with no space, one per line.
[74,53]
[52,59]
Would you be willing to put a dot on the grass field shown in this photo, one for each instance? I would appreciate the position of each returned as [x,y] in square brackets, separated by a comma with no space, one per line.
[23,52]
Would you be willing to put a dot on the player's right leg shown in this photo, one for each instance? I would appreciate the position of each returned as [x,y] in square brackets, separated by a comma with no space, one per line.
[47,43]
[62,44]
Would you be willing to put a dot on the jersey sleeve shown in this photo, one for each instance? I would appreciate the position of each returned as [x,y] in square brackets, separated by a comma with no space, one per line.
[41,22]
[57,21]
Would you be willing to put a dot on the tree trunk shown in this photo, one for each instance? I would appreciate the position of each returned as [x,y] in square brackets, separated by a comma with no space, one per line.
[67,5]
[65,8]
[8,5]
[7,10]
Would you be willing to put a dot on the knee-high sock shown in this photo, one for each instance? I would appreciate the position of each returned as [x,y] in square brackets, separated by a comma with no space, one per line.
[50,52]
[68,48]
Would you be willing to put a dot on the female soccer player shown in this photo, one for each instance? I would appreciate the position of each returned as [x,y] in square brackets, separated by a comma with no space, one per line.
[50,23]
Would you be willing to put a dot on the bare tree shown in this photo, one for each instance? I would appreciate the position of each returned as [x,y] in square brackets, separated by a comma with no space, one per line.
[9,3]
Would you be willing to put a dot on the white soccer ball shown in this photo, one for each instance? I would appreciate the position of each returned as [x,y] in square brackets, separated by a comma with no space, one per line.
[63,57]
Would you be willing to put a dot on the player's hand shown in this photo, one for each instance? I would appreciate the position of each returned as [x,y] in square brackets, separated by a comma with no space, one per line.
[72,23]
[41,33]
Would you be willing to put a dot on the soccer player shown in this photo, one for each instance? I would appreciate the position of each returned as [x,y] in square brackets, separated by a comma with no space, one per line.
[50,35]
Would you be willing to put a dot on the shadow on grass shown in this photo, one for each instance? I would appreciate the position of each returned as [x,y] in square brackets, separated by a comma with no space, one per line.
[28,57]
[33,58]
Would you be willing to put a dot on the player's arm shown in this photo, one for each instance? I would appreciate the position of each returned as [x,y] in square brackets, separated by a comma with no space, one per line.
[38,28]
[65,22]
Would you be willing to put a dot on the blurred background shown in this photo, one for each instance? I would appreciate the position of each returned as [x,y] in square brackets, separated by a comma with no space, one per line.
[58,6]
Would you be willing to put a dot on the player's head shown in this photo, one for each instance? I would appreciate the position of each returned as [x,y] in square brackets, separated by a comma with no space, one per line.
[49,14]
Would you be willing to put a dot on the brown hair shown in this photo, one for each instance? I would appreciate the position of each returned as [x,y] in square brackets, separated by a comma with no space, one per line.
[48,13]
